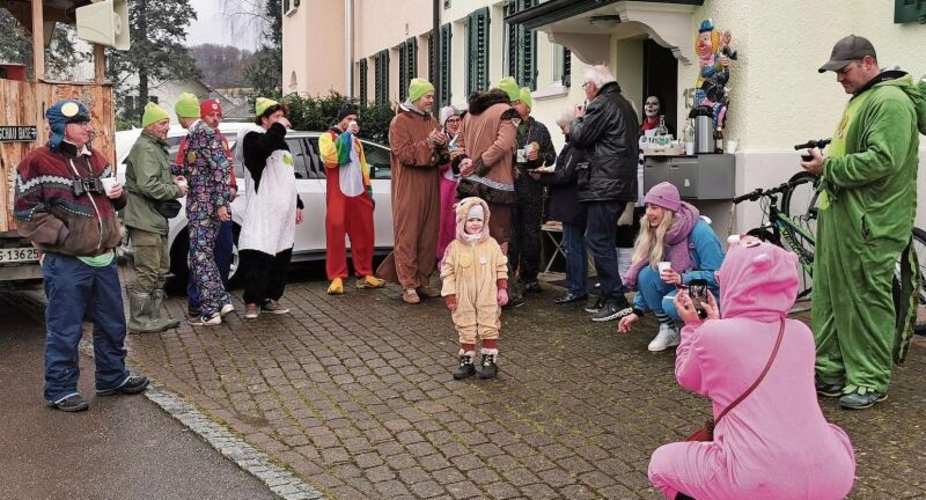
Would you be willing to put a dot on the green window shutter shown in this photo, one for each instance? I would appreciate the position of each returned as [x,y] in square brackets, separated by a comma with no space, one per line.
[403,74]
[908,11]
[381,65]
[445,37]
[411,61]
[528,74]
[363,83]
[567,67]
[431,56]
[522,48]
[477,78]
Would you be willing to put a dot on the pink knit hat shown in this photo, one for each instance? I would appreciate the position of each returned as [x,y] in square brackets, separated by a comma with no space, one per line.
[664,195]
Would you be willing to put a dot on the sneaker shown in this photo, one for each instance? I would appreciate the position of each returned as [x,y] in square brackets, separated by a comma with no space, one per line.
[71,404]
[514,303]
[274,307]
[410,296]
[132,385]
[251,311]
[531,286]
[827,390]
[226,310]
[370,282]
[595,306]
[667,337]
[858,401]
[204,320]
[611,312]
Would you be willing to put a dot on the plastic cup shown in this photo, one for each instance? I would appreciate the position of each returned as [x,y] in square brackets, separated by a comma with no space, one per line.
[664,266]
[689,148]
[109,183]
[731,147]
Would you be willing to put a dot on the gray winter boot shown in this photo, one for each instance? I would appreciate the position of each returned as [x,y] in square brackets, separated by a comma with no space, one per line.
[157,297]
[467,368]
[489,363]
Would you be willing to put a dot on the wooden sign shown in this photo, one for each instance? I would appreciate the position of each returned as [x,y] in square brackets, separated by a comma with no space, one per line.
[17,133]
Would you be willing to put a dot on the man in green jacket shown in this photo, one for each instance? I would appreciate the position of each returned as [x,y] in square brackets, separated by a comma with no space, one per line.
[867,206]
[149,184]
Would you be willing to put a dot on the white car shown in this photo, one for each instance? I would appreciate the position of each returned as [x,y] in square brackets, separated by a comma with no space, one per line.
[310,181]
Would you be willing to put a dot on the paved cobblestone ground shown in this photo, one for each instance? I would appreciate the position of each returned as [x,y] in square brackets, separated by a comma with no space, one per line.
[354,395]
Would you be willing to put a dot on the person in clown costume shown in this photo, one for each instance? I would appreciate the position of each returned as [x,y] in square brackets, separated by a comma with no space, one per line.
[349,199]
[867,205]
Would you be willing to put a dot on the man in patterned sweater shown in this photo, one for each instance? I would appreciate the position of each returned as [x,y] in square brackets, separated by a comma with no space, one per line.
[61,206]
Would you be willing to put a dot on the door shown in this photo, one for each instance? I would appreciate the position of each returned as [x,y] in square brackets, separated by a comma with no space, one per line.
[660,78]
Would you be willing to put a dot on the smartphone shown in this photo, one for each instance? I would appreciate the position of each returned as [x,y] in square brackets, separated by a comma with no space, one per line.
[697,290]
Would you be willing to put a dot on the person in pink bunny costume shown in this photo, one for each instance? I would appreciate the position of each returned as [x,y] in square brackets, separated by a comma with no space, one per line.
[775,444]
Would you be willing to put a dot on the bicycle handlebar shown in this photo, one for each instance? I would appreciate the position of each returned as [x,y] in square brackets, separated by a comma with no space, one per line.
[822,143]
[766,193]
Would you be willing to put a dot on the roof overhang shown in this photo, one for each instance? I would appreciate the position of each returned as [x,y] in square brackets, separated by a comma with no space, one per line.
[586,26]
[60,11]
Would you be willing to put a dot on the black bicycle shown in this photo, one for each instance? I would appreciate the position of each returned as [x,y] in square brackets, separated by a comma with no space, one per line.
[790,221]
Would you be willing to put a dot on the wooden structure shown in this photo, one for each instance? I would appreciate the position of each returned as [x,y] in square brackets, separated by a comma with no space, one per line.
[25,102]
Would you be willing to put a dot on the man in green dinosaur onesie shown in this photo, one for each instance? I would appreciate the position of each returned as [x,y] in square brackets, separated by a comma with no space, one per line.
[867,206]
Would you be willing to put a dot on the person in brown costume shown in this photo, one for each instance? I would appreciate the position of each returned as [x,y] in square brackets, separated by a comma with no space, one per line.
[418,146]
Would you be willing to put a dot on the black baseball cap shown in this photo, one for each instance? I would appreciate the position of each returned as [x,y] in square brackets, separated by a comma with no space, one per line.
[850,48]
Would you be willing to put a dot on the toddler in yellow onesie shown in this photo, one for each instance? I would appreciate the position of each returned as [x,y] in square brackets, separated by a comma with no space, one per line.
[475,276]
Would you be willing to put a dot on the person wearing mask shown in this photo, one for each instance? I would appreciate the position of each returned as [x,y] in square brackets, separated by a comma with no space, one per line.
[65,202]
[205,164]
[349,202]
[565,208]
[450,122]
[418,147]
[273,209]
[867,205]
[149,184]
[210,111]
[770,438]
[672,232]
[535,149]
[606,131]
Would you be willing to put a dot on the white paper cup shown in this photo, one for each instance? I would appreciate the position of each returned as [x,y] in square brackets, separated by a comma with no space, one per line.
[664,266]
[521,156]
[731,147]
[689,148]
[109,183]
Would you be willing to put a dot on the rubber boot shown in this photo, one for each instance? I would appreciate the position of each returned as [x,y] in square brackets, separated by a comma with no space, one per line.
[467,368]
[489,363]
[139,319]
[157,297]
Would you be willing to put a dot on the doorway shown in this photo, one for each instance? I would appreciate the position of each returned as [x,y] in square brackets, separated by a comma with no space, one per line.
[660,78]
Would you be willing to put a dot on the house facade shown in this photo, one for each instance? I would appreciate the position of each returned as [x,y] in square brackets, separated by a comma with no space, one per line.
[778,99]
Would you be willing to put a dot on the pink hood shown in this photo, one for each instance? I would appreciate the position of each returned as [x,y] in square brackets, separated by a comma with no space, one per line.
[462,209]
[757,280]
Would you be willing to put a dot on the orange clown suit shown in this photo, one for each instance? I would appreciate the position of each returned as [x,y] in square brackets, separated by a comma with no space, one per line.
[349,198]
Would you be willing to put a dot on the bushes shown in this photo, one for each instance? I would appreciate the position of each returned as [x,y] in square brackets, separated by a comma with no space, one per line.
[320,113]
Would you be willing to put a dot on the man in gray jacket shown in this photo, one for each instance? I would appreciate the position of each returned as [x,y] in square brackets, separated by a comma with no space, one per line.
[149,184]
[606,131]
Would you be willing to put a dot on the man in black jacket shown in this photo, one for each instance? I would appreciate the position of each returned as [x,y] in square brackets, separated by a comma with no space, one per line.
[606,131]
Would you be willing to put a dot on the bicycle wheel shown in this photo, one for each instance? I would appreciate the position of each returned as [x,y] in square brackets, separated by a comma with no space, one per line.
[799,204]
[919,250]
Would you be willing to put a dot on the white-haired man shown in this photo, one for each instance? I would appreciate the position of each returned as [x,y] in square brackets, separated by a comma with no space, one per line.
[606,131]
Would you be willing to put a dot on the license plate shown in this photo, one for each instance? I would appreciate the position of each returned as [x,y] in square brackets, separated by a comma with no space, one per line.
[18,255]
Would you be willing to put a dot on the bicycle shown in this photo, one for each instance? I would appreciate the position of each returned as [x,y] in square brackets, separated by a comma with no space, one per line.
[789,221]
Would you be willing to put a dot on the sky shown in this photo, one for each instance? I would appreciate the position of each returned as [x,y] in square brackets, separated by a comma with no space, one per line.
[210,27]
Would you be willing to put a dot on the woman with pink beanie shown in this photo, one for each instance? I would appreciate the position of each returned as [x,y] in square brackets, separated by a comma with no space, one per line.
[775,443]
[450,120]
[671,232]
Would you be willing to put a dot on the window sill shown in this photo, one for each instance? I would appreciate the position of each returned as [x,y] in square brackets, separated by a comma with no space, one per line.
[551,92]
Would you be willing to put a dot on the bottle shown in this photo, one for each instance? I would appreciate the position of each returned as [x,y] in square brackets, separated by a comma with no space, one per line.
[689,137]
[718,140]
[662,132]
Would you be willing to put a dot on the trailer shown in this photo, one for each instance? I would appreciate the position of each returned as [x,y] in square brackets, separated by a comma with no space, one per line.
[23,102]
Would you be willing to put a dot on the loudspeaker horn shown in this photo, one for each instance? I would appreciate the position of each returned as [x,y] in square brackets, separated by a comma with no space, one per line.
[105,23]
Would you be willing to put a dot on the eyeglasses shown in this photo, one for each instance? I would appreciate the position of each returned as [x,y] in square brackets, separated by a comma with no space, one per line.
[586,84]
[453,120]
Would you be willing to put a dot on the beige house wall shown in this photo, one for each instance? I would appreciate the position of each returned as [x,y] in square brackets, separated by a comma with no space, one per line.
[313,48]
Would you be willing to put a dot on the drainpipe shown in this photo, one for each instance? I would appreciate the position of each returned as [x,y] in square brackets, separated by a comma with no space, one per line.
[349,48]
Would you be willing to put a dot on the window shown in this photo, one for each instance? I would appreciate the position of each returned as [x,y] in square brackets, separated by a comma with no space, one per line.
[378,160]
[316,167]
[300,160]
[408,65]
[446,36]
[477,51]
[289,7]
[908,11]
[381,68]
[363,83]
[562,65]
[522,47]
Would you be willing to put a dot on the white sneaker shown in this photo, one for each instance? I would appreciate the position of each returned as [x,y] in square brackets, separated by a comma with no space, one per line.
[226,310]
[667,337]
